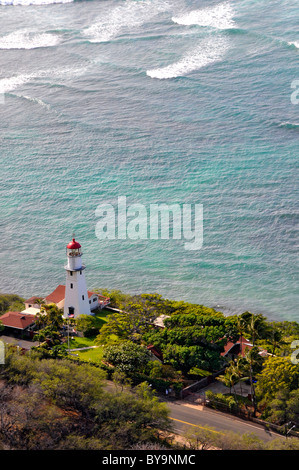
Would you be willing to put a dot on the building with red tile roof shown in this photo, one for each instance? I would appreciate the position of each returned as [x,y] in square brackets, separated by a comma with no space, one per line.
[17,320]
[33,302]
[58,295]
[232,350]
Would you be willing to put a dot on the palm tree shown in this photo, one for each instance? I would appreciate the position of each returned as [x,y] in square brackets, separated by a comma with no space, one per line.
[229,379]
[253,361]
[239,368]
[255,325]
[275,339]
[241,327]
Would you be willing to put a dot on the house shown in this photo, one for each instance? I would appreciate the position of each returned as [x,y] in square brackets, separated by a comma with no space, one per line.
[33,302]
[73,297]
[18,324]
[30,311]
[57,297]
[234,349]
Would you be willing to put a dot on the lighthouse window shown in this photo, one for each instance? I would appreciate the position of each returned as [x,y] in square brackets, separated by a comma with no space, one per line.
[80,271]
[82,297]
[71,285]
[71,273]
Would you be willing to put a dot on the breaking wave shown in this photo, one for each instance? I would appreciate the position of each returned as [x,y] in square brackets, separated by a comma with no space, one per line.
[207,52]
[11,83]
[28,40]
[121,19]
[62,74]
[219,17]
[294,43]
[32,2]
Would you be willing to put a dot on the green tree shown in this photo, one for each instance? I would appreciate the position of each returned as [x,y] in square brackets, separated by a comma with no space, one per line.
[255,325]
[12,302]
[88,325]
[278,373]
[50,316]
[254,364]
[200,438]
[230,378]
[127,357]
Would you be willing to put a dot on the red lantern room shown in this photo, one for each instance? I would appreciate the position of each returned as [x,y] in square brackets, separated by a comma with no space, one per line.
[73,248]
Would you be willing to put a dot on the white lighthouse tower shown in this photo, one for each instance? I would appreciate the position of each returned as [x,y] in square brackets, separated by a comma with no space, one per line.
[76,297]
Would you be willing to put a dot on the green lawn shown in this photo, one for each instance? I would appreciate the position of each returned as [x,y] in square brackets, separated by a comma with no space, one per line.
[80,342]
[93,355]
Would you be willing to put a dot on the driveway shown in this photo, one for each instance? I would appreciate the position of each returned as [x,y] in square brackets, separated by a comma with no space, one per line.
[218,387]
[22,343]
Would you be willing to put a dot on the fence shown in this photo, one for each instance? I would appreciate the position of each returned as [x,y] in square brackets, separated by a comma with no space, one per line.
[248,415]
[202,383]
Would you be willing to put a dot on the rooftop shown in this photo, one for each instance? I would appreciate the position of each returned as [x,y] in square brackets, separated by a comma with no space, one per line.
[17,320]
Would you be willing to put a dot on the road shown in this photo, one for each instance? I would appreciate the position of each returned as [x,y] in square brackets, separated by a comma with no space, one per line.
[184,415]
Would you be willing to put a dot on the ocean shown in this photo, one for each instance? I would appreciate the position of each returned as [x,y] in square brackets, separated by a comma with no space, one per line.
[159,101]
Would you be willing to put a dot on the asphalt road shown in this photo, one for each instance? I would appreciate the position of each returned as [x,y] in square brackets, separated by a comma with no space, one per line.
[184,415]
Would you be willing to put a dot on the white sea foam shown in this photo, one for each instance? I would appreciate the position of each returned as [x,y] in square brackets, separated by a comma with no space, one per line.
[35,100]
[32,2]
[219,17]
[294,43]
[124,18]
[60,74]
[24,39]
[207,52]
[11,83]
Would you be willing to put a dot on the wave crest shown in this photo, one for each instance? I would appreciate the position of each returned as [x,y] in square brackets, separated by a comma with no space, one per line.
[294,43]
[219,17]
[208,52]
[123,18]
[28,40]
[32,2]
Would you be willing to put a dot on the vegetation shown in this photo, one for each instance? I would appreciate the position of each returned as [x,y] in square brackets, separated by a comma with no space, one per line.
[206,438]
[127,357]
[11,302]
[58,404]
[189,346]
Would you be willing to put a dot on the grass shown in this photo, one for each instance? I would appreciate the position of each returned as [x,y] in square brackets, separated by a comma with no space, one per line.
[100,317]
[80,342]
[75,342]
[90,355]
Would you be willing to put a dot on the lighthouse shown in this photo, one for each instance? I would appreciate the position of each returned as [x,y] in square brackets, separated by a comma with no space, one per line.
[76,300]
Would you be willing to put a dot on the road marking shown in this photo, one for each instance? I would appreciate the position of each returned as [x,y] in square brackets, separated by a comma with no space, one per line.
[195,425]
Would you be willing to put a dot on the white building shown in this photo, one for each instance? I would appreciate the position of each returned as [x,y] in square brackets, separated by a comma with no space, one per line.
[73,297]
[76,300]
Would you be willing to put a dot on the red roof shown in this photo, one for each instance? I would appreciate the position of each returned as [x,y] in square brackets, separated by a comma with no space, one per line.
[17,320]
[245,344]
[32,300]
[90,294]
[73,245]
[57,295]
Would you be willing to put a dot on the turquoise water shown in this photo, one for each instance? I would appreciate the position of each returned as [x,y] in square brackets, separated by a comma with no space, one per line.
[159,101]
